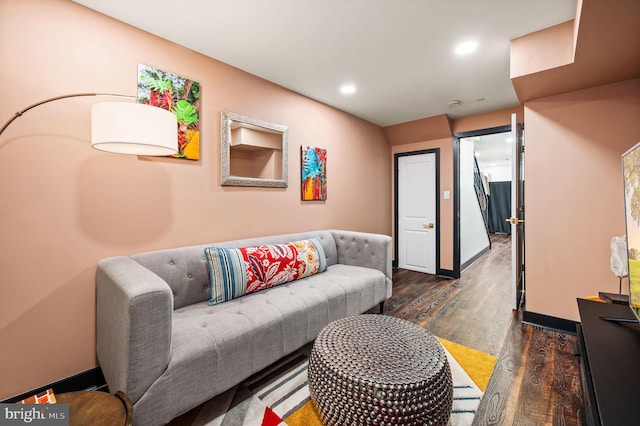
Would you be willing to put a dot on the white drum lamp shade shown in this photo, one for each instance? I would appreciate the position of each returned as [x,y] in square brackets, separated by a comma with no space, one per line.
[132,128]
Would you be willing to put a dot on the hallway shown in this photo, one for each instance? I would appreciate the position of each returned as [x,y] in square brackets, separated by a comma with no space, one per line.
[474,310]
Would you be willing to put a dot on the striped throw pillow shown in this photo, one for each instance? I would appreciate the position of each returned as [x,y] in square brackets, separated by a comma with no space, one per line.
[234,272]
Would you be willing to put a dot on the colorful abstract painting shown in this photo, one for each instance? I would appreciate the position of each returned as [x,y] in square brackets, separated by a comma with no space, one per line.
[179,95]
[314,173]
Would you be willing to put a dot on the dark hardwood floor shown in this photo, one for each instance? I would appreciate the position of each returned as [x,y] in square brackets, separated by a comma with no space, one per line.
[536,379]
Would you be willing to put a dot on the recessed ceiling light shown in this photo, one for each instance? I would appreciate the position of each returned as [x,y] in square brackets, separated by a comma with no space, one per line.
[348,89]
[466,47]
[480,100]
[454,104]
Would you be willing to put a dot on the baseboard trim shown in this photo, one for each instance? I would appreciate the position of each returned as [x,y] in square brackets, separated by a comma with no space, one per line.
[446,273]
[547,321]
[88,380]
[469,262]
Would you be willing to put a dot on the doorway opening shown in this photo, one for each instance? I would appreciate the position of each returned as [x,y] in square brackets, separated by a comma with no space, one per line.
[488,197]
[480,157]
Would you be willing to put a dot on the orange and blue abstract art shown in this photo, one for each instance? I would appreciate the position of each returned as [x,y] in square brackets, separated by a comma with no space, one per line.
[314,173]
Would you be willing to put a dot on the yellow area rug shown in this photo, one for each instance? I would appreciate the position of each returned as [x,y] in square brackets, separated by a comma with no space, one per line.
[279,395]
[305,416]
[478,365]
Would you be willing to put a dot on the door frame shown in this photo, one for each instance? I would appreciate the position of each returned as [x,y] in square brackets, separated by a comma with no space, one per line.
[396,157]
[456,187]
[518,211]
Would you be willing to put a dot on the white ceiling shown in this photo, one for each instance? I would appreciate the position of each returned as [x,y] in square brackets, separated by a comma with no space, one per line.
[398,53]
[493,150]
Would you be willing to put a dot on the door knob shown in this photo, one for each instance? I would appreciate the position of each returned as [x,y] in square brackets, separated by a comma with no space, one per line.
[428,225]
[514,220]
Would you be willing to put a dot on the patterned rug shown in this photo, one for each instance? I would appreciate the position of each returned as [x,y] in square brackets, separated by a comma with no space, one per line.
[279,395]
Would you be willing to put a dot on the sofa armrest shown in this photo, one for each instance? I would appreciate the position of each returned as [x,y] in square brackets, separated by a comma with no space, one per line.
[365,249]
[133,325]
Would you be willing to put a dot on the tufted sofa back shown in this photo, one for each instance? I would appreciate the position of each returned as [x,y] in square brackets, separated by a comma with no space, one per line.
[185,269]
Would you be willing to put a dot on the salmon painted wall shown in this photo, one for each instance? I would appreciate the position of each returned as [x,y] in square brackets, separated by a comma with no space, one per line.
[545,49]
[489,120]
[574,197]
[65,206]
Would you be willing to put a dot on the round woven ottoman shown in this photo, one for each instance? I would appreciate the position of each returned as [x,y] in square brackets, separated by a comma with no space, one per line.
[379,370]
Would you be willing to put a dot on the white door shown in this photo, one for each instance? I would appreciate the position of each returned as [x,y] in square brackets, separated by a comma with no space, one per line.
[417,212]
[517,214]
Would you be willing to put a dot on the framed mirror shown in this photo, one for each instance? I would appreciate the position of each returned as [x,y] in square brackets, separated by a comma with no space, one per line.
[254,152]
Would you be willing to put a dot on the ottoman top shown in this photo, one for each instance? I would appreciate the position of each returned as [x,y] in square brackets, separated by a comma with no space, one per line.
[380,349]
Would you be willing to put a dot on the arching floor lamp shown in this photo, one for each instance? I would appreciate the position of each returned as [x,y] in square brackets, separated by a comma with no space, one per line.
[123,127]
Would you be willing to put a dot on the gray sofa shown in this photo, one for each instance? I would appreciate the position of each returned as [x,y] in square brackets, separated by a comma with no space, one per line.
[160,342]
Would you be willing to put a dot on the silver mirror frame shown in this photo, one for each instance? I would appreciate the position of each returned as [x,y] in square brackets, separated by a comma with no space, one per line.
[226,118]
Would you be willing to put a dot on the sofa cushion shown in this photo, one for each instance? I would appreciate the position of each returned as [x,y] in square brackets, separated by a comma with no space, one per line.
[234,272]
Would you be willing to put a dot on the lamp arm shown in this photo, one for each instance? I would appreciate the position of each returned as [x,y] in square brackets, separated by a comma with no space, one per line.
[75,95]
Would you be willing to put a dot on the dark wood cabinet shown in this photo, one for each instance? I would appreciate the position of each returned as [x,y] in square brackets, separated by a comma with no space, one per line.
[609,358]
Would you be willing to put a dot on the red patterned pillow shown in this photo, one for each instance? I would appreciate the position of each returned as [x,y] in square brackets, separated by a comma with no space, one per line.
[236,272]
